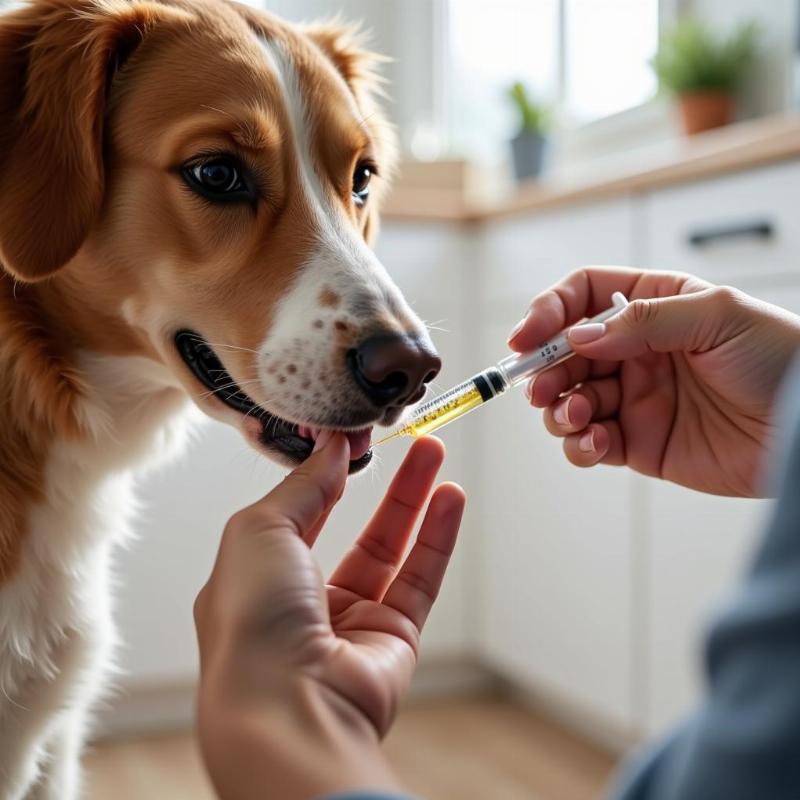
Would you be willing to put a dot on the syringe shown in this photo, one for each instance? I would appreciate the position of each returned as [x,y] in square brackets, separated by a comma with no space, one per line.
[494,381]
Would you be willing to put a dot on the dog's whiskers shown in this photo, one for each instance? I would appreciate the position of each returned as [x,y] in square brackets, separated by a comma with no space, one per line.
[232,347]
[435,325]
[231,385]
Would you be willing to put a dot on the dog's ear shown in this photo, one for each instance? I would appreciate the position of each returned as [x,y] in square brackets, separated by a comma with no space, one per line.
[346,46]
[57,59]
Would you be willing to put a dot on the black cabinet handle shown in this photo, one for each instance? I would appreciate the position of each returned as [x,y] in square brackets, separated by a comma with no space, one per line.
[757,229]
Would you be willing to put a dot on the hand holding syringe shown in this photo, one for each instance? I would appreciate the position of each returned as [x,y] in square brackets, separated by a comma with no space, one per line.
[494,381]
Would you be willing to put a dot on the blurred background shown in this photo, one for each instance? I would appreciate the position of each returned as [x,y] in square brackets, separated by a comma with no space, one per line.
[537,136]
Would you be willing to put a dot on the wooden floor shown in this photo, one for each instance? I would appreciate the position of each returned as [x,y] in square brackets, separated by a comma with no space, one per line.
[450,750]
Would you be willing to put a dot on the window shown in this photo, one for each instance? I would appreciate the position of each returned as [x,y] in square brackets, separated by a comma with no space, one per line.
[586,59]
[607,47]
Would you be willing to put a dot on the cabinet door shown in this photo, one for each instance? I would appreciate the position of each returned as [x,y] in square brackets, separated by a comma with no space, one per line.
[698,545]
[556,565]
[739,229]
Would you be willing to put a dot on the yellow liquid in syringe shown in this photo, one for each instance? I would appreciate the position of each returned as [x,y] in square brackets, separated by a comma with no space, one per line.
[447,409]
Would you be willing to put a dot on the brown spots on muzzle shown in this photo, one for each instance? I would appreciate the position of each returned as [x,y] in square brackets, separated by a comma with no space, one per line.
[329,299]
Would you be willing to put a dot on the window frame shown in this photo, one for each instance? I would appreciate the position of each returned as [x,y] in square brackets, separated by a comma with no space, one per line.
[600,131]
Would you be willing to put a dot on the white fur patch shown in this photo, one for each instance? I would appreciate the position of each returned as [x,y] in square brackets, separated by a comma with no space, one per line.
[343,265]
[56,633]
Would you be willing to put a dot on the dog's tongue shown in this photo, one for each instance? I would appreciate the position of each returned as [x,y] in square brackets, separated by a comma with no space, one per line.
[359,443]
[359,440]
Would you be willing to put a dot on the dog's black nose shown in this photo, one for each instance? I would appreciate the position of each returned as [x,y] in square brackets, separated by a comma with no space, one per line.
[393,370]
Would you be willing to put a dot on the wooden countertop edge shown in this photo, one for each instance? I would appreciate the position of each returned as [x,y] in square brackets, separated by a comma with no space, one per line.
[741,147]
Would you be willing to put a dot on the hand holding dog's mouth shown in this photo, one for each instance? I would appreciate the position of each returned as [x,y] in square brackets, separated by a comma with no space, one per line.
[340,660]
[360,441]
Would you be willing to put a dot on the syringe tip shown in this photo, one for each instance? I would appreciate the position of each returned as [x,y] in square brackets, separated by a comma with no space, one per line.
[388,438]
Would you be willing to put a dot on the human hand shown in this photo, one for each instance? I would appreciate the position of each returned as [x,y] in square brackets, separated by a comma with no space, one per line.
[299,680]
[681,385]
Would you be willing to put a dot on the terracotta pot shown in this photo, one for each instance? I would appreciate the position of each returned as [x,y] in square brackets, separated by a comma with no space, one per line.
[702,111]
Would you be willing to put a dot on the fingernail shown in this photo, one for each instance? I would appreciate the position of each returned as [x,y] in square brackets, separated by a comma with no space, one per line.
[586,442]
[517,328]
[322,440]
[561,412]
[591,332]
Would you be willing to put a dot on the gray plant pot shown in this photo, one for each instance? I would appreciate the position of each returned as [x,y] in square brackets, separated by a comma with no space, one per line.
[528,150]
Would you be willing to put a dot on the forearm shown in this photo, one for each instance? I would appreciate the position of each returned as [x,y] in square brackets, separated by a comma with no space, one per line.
[300,745]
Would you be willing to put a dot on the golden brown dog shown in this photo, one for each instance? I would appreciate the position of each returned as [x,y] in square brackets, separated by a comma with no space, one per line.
[186,191]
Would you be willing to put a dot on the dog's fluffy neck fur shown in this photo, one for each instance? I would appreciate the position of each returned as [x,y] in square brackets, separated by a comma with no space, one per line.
[57,388]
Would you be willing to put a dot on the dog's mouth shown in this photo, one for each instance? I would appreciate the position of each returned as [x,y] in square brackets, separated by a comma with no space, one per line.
[294,441]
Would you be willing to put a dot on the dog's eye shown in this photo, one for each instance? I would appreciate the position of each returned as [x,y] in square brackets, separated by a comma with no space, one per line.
[218,179]
[361,178]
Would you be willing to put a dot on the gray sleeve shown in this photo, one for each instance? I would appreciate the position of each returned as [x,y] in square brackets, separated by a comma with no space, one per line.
[744,741]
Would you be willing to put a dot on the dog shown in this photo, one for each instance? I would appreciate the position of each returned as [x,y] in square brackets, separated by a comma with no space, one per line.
[187,193]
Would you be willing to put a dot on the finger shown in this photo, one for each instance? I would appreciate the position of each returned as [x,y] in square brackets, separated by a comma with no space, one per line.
[600,442]
[372,562]
[683,323]
[305,494]
[583,293]
[310,538]
[417,584]
[586,292]
[547,386]
[596,400]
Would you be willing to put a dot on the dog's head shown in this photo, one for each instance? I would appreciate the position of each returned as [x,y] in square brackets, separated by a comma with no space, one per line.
[201,180]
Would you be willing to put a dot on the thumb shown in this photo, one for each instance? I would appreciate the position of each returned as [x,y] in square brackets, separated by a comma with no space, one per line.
[680,323]
[306,494]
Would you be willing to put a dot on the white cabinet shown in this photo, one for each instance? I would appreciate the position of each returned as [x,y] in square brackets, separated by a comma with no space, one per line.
[739,229]
[697,548]
[555,565]
[697,545]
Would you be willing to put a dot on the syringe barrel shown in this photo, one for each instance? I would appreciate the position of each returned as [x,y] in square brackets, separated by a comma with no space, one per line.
[456,402]
[522,366]
[518,368]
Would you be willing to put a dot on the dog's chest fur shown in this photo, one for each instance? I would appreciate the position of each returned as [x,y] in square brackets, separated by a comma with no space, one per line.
[55,625]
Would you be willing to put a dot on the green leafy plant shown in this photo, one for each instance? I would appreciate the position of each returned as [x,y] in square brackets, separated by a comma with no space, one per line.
[534,117]
[691,58]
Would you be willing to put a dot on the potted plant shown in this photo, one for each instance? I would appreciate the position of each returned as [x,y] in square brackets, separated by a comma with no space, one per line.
[528,145]
[704,71]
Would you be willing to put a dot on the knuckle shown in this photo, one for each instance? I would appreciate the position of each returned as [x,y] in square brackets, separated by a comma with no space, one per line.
[725,297]
[200,605]
[588,400]
[419,583]
[237,523]
[325,487]
[641,312]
